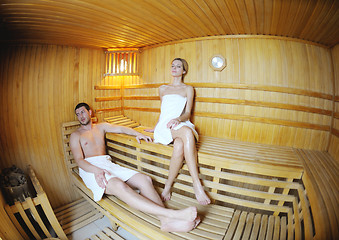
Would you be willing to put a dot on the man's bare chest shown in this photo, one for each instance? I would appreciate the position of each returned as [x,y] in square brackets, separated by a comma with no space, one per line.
[91,138]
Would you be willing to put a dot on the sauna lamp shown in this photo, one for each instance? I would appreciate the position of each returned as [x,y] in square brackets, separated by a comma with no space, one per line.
[122,62]
[217,62]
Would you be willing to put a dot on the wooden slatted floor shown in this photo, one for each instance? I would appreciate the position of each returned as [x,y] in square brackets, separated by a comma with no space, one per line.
[106,234]
[76,215]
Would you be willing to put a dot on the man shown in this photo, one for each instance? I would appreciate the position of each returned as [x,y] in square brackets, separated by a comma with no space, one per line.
[102,176]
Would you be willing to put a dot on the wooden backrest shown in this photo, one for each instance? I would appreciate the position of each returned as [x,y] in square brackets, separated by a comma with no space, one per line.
[230,182]
[67,129]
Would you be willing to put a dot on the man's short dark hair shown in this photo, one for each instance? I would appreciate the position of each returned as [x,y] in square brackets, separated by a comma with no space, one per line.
[82,105]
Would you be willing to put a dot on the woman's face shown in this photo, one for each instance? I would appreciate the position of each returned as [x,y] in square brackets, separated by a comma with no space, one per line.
[177,68]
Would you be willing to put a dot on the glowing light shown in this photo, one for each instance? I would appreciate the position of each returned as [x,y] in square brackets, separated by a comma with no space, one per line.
[123,65]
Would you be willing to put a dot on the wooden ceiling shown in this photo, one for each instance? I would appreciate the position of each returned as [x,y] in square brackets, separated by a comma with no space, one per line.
[140,23]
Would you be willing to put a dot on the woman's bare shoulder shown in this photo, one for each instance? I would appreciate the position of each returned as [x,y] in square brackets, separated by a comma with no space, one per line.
[189,88]
[163,87]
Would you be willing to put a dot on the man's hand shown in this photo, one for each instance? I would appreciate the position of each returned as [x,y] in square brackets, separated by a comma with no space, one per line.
[149,130]
[140,136]
[100,177]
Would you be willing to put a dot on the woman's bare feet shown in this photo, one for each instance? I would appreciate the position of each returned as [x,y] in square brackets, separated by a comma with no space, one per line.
[166,194]
[175,225]
[200,194]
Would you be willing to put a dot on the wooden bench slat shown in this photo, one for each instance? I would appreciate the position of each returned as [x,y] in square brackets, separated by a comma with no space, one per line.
[256,227]
[76,209]
[290,230]
[81,222]
[67,206]
[113,117]
[94,237]
[232,228]
[37,216]
[263,227]
[283,228]
[248,227]
[276,233]
[103,236]
[326,192]
[241,225]
[270,228]
[111,233]
[26,220]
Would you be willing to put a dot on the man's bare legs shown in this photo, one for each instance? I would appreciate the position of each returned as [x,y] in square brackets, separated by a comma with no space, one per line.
[175,165]
[149,201]
[190,154]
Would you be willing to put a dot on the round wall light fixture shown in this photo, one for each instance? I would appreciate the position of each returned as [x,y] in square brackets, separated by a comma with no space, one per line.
[217,62]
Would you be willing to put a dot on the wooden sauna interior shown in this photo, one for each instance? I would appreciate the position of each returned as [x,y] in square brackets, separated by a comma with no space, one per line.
[280,85]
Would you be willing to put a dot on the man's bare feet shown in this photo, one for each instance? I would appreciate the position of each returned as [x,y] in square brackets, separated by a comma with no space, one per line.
[175,225]
[186,214]
[200,194]
[166,194]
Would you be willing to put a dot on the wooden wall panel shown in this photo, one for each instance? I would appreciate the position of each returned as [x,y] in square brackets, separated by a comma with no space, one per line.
[334,143]
[273,91]
[40,85]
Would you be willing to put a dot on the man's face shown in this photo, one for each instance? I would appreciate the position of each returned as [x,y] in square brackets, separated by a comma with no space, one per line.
[83,115]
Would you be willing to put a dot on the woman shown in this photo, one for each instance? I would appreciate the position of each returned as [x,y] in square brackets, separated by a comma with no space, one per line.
[174,126]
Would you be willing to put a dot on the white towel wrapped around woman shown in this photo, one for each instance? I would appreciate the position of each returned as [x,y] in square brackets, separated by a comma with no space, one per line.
[172,106]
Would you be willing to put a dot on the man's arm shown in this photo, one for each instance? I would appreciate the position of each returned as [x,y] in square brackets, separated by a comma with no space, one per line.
[76,149]
[125,130]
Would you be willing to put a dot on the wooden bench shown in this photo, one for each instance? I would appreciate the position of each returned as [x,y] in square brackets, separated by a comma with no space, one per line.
[257,190]
[321,179]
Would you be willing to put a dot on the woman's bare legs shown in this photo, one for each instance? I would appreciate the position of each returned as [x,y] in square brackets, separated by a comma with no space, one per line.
[149,201]
[190,153]
[175,165]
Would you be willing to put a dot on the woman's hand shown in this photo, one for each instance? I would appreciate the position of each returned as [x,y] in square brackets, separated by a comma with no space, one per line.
[173,123]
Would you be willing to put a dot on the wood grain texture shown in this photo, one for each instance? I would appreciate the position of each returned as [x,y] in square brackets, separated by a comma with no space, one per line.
[134,23]
[40,85]
[281,81]
[7,228]
[334,143]
[272,91]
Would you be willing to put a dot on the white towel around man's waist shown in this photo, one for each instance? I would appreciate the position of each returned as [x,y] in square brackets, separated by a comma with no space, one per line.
[172,106]
[104,162]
